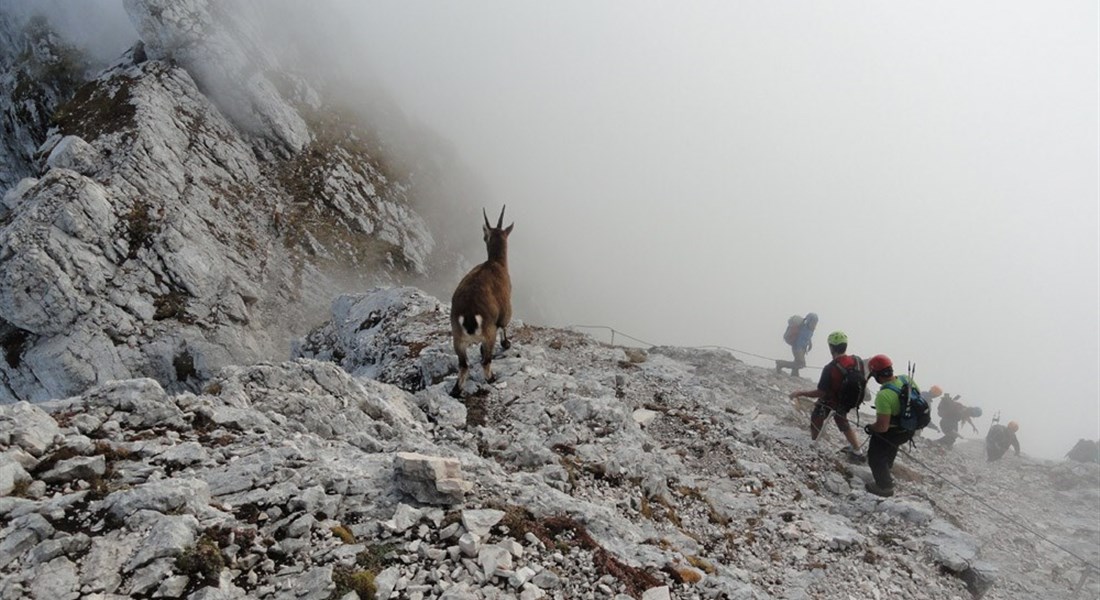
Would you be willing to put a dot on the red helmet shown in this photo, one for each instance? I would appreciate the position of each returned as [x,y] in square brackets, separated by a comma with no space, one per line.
[879,363]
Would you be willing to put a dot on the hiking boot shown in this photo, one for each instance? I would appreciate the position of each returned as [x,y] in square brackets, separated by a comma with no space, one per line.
[778,369]
[854,456]
[878,491]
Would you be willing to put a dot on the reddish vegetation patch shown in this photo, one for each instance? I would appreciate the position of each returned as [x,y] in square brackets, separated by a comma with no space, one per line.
[565,530]
[477,408]
[635,580]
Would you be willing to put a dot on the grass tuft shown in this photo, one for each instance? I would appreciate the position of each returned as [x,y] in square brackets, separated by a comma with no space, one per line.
[344,534]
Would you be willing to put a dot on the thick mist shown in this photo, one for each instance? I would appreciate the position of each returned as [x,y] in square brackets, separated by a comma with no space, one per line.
[100,28]
[924,177]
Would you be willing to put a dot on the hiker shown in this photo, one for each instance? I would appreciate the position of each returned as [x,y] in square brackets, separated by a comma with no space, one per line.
[1086,451]
[929,396]
[799,335]
[952,412]
[887,434]
[841,388]
[999,438]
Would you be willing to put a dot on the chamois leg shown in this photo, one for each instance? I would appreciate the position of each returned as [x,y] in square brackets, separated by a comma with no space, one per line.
[487,344]
[463,370]
[505,343]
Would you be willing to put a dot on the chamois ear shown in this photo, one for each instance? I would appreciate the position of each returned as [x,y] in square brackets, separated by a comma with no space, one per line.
[508,231]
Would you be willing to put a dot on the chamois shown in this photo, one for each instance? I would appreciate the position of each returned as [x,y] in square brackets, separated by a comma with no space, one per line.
[482,303]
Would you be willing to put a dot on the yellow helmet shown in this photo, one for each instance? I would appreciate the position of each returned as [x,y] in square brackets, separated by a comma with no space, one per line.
[1013,426]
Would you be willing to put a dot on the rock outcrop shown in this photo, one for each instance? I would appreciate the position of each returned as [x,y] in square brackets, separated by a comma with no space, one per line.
[186,208]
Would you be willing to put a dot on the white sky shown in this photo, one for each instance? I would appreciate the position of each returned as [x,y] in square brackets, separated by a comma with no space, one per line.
[922,175]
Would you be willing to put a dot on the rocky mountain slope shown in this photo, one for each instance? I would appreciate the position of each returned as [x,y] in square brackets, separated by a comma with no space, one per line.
[170,221]
[182,209]
[586,471]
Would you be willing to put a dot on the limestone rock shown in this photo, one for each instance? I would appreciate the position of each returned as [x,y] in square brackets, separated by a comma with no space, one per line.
[28,427]
[11,473]
[74,154]
[175,209]
[431,479]
[78,468]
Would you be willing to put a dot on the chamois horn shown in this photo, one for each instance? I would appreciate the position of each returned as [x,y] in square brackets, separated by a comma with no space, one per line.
[500,221]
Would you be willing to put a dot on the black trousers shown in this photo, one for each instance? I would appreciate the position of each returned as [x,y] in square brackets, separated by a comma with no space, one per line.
[882,451]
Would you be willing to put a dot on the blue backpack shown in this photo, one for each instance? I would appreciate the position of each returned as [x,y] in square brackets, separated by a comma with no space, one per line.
[915,413]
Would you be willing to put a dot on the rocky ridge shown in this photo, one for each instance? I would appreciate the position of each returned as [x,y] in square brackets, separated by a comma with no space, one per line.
[180,210]
[586,471]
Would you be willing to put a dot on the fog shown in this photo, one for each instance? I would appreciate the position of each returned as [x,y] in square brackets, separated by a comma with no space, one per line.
[922,176]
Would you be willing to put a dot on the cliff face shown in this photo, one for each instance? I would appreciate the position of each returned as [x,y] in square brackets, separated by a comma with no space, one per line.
[183,209]
[37,72]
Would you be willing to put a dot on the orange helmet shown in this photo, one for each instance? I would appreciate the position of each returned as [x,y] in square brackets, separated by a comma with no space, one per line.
[936,391]
[1013,426]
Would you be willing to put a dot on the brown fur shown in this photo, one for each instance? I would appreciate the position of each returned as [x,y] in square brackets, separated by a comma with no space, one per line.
[486,292]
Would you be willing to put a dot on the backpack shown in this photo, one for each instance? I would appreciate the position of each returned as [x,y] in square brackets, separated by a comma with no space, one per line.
[915,412]
[794,324]
[852,390]
[949,408]
[1085,451]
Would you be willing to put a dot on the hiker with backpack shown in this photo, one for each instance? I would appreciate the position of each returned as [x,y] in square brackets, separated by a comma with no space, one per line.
[799,334]
[952,413]
[842,387]
[999,439]
[1086,451]
[900,412]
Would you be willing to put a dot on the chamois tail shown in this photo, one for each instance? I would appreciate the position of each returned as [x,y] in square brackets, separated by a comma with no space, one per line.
[471,325]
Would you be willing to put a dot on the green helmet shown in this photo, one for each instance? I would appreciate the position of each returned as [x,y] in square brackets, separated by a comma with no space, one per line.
[837,338]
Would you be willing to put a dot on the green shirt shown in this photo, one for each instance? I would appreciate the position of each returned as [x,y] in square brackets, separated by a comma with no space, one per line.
[887,401]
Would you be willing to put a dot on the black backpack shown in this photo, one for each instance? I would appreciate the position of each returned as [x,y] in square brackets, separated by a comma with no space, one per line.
[915,410]
[853,385]
[1085,451]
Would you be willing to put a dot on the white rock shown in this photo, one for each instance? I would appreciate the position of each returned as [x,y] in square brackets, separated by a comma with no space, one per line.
[493,560]
[469,544]
[75,154]
[479,522]
[404,517]
[643,416]
[31,428]
[76,468]
[11,472]
[431,479]
[657,593]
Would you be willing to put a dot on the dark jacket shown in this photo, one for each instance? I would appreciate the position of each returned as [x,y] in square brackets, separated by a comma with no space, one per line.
[998,440]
